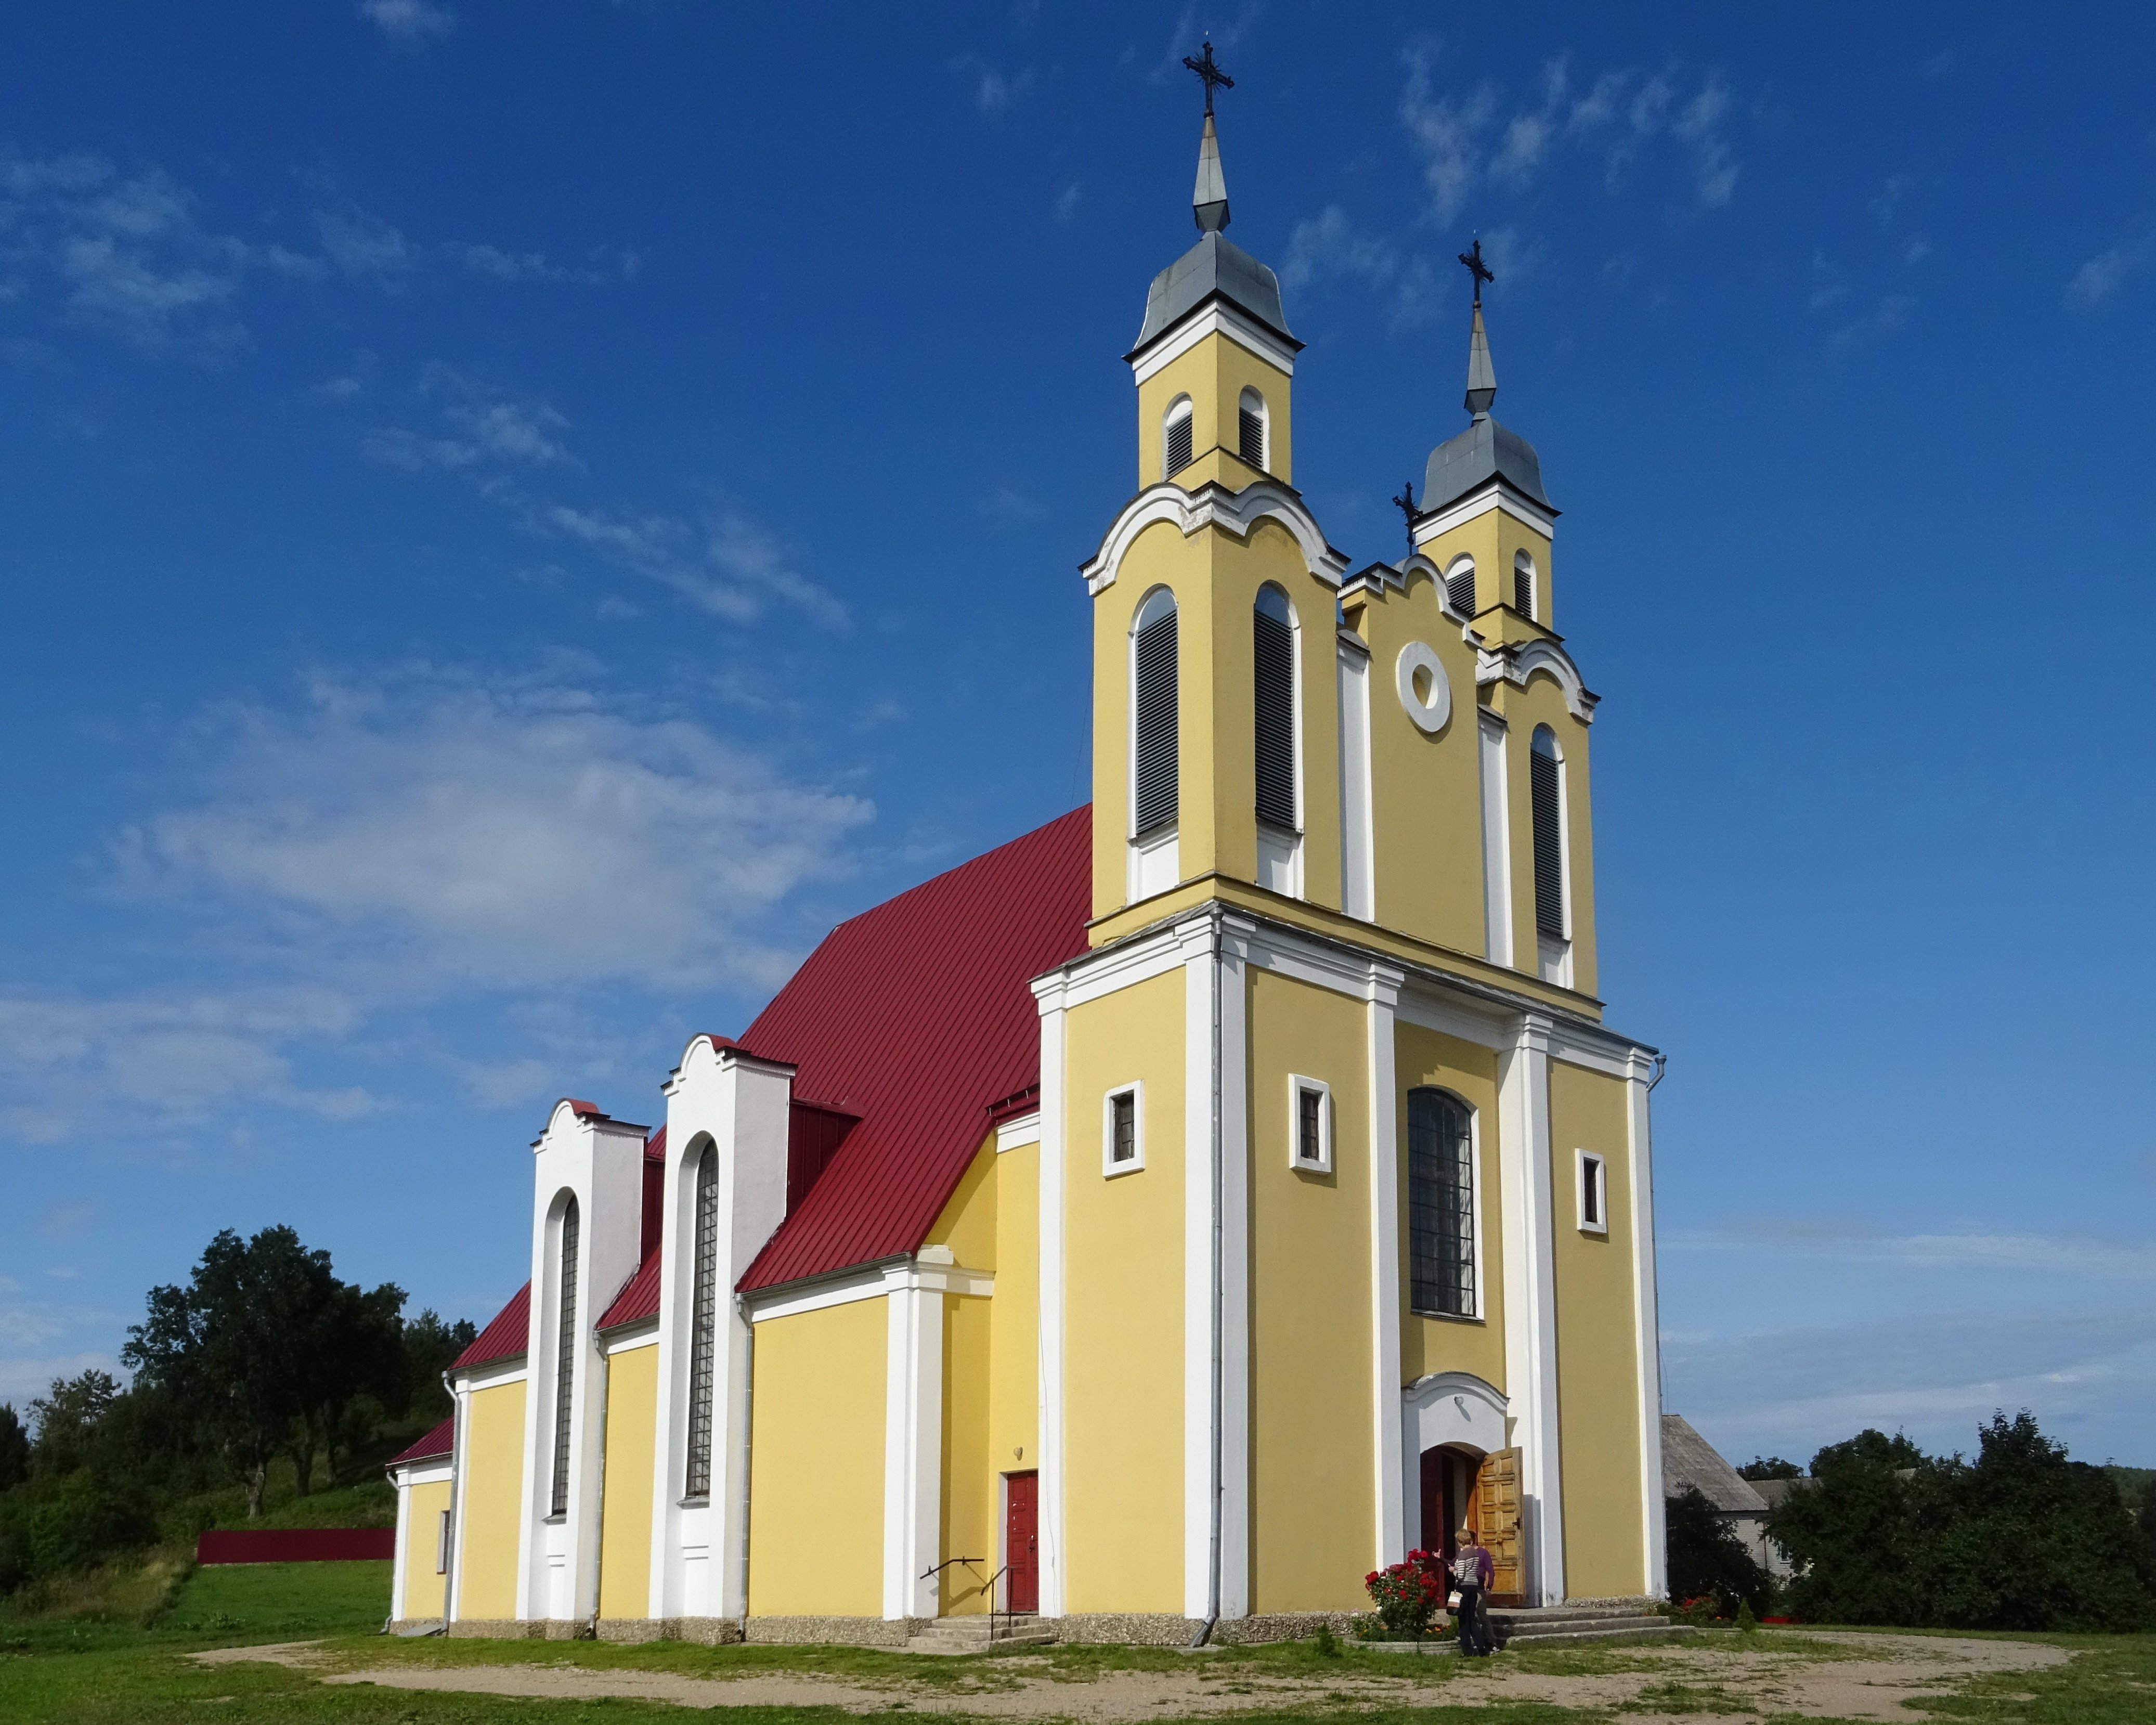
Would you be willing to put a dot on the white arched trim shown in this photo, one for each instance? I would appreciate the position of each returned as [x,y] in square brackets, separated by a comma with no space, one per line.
[1213,505]
[1520,660]
[1455,1407]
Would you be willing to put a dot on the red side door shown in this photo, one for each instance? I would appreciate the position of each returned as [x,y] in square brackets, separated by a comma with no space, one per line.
[1022,1541]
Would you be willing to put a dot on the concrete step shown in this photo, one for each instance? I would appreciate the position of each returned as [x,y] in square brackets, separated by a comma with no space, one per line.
[1627,1635]
[957,1635]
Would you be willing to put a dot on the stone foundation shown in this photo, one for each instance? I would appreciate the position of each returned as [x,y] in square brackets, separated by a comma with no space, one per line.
[1159,1629]
[837,1631]
[1084,1628]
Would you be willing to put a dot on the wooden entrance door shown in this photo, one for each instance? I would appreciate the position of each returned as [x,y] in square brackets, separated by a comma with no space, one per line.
[1497,1525]
[1022,1541]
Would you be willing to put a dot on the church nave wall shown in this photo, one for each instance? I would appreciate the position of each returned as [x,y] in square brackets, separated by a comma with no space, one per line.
[632,1400]
[491,1483]
[1428,1344]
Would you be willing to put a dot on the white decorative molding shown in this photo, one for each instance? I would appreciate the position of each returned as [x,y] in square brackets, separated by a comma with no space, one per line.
[493,1373]
[1213,505]
[1591,1191]
[1516,662]
[629,1337]
[1092,976]
[1430,714]
[1496,494]
[1013,1134]
[1297,1084]
[1496,838]
[1524,1142]
[1647,1345]
[1054,1117]
[1216,318]
[1135,1164]
[913,1452]
[1381,999]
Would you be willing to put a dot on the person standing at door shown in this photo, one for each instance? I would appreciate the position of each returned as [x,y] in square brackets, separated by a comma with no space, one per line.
[1471,1570]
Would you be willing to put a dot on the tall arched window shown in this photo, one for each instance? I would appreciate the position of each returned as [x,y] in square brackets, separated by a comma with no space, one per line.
[1250,428]
[703,1322]
[1523,584]
[1175,437]
[1272,628]
[1459,586]
[1546,790]
[565,1361]
[1440,1204]
[1153,767]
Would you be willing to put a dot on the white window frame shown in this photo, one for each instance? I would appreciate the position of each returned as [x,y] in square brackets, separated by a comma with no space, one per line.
[1593,1171]
[1109,1167]
[441,1543]
[1297,1087]
[1481,1315]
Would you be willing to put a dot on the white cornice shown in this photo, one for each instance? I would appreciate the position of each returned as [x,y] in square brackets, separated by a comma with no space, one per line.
[1014,1134]
[1519,660]
[871,1282]
[1496,494]
[1218,318]
[491,1373]
[1213,505]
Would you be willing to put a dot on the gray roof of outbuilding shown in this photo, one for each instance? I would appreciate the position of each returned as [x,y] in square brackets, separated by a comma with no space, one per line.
[1773,1491]
[1485,451]
[1689,1460]
[1216,267]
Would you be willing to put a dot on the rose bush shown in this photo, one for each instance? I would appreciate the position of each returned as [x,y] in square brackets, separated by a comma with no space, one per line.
[1408,1594]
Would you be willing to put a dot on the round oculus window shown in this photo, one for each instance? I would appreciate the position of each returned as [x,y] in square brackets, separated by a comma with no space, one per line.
[1424,693]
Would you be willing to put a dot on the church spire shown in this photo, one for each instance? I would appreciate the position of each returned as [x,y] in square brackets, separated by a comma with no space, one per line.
[1481,374]
[1209,199]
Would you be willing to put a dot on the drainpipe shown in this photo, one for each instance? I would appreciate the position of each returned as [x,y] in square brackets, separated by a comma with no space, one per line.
[1220,1302]
[747,1446]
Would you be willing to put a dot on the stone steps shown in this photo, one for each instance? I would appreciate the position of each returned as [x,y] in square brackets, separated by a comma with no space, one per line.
[1624,1622]
[955,1636]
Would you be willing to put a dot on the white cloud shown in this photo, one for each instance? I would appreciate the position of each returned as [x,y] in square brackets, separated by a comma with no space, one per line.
[2100,276]
[495,835]
[2053,1254]
[362,244]
[1331,246]
[1067,203]
[491,260]
[994,90]
[1467,139]
[486,425]
[409,21]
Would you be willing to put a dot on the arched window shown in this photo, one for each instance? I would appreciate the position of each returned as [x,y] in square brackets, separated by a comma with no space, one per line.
[1523,584]
[1546,789]
[1272,628]
[1175,437]
[703,1322]
[1460,586]
[1153,766]
[565,1362]
[1440,1204]
[1250,428]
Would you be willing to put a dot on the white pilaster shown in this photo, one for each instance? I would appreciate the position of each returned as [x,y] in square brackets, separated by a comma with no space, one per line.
[1054,1118]
[913,1448]
[1496,840]
[458,1448]
[1531,1302]
[1357,888]
[1390,1543]
[1653,1534]
[1200,1182]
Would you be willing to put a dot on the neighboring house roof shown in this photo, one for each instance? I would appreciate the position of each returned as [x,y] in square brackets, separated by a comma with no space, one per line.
[438,1443]
[1773,1491]
[1689,1460]
[917,1018]
[506,1337]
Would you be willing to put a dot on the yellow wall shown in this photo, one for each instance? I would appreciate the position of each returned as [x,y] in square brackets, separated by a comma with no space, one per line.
[1122,1408]
[816,1484]
[492,1483]
[1597,1344]
[423,1505]
[1542,702]
[1214,373]
[1014,1341]
[1495,539]
[1311,1507]
[1453,1344]
[970,1503]
[968,1224]
[625,1510]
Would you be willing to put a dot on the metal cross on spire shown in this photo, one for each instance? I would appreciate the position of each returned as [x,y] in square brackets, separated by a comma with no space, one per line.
[1477,267]
[1407,506]
[1214,77]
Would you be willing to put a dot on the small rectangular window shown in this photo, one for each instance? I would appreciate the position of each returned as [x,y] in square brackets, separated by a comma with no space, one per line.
[442,1544]
[1251,429]
[1593,1194]
[1122,1131]
[1178,445]
[1310,1125]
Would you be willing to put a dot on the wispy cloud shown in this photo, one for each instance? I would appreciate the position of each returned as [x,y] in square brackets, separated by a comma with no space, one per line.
[1331,246]
[2057,1255]
[2102,275]
[409,21]
[994,90]
[484,424]
[1471,138]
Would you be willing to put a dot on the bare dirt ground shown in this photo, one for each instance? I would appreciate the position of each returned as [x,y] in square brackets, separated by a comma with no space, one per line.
[1829,1677]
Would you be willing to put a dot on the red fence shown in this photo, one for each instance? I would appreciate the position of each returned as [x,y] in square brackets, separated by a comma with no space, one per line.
[295,1545]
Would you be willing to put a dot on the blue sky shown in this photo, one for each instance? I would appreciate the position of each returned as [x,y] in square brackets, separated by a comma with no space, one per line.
[517,518]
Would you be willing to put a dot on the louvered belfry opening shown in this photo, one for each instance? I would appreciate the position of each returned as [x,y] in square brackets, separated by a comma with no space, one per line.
[1440,1204]
[565,1362]
[1273,679]
[1460,590]
[1156,716]
[703,1333]
[1176,456]
[1251,435]
[1546,792]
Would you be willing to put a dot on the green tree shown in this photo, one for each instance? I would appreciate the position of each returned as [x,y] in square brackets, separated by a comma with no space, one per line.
[14,1448]
[357,1350]
[69,1417]
[234,1346]
[1707,1559]
[1857,1536]
[1770,1467]
[430,1344]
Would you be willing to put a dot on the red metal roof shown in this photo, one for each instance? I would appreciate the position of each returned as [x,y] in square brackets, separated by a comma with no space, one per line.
[917,1017]
[507,1337]
[639,1298]
[440,1441]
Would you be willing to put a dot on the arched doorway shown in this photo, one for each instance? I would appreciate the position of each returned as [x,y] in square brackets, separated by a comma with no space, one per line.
[1448,1495]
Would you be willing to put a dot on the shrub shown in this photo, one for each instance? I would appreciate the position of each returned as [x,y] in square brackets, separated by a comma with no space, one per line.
[1408,1594]
[1706,1559]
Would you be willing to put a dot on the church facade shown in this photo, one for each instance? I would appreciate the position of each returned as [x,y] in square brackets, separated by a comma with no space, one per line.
[1156,1223]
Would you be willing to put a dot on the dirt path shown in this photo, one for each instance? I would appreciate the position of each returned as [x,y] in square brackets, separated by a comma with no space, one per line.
[1867,1678]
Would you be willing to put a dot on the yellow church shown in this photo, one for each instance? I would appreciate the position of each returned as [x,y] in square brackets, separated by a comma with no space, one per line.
[1144,1230]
